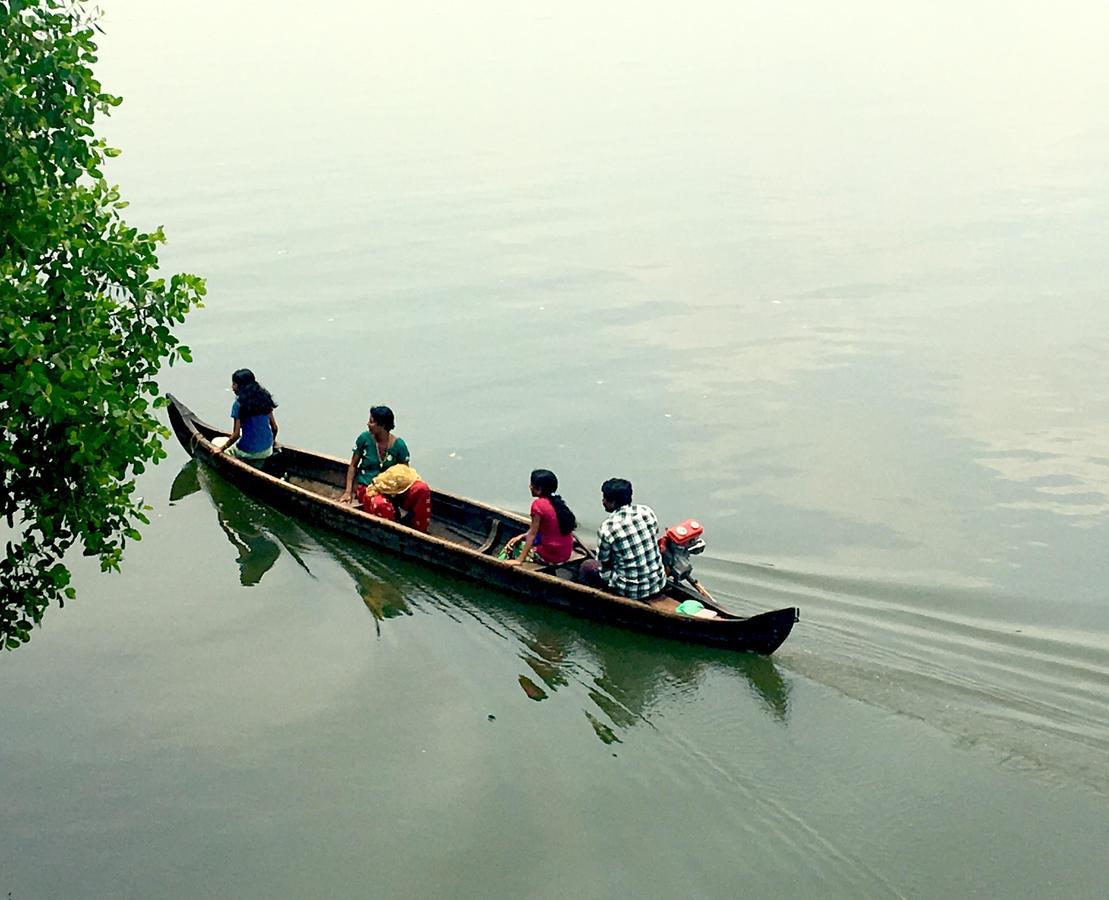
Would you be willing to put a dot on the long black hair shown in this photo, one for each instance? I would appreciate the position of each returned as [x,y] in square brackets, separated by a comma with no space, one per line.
[547,483]
[254,400]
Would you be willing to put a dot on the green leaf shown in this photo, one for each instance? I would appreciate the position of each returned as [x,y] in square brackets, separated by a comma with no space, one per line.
[84,325]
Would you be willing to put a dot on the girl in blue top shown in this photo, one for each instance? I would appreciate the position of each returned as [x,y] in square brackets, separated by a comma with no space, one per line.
[255,426]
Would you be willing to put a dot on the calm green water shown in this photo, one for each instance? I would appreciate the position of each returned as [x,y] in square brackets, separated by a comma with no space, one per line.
[833,281]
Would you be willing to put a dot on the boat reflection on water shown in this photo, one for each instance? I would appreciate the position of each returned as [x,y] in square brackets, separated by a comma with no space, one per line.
[624,675]
[259,534]
[375,584]
[244,527]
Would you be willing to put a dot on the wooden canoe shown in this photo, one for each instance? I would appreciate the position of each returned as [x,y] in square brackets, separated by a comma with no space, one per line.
[464,538]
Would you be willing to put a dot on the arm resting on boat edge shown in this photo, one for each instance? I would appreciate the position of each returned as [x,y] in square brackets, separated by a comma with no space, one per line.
[348,490]
[235,435]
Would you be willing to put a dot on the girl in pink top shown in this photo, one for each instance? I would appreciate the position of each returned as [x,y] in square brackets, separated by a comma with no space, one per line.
[552,524]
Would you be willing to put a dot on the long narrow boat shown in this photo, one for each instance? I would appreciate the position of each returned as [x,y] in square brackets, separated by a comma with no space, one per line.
[464,538]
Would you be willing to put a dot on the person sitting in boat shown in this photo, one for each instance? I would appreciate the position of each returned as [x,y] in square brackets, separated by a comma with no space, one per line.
[550,539]
[255,427]
[399,495]
[628,558]
[375,450]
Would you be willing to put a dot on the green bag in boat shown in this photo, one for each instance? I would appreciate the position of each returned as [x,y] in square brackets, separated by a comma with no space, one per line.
[689,607]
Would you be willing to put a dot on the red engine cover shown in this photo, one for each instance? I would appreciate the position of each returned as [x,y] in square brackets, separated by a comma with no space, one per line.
[685,532]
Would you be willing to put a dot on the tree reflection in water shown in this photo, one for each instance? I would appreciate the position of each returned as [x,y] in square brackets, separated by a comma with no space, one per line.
[623,674]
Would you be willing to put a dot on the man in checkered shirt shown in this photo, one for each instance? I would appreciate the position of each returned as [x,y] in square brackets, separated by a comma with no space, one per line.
[628,558]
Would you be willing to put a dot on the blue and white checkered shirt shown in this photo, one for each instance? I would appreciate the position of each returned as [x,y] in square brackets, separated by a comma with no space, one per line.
[631,563]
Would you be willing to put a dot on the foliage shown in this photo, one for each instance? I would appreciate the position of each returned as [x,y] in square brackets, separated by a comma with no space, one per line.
[85,323]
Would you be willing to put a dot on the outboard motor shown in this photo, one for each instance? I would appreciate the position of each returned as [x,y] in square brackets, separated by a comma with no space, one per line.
[678,544]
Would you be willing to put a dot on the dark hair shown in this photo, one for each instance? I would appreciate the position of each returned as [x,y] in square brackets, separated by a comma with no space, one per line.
[383,416]
[547,483]
[254,400]
[617,491]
